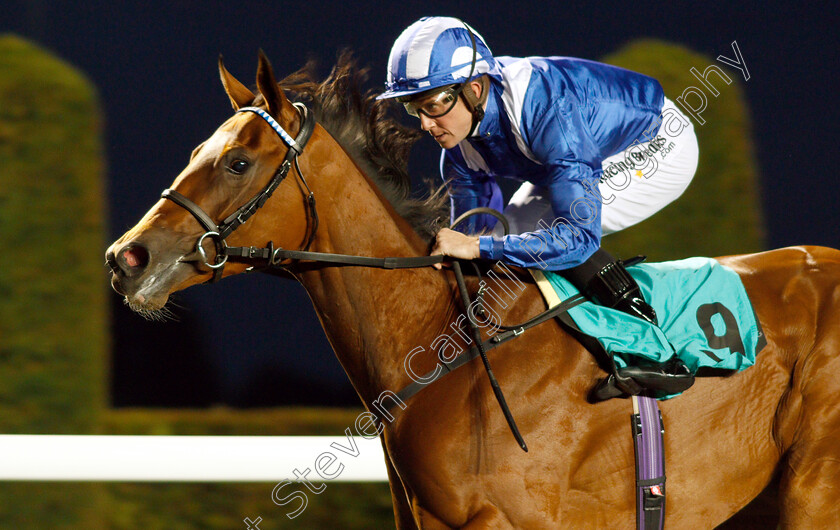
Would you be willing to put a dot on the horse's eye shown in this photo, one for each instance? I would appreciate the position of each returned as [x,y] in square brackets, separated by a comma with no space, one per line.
[238,166]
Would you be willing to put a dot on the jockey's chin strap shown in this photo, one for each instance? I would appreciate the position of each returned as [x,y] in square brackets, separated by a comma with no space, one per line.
[473,102]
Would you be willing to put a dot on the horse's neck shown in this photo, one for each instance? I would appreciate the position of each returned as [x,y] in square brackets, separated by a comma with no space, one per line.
[372,317]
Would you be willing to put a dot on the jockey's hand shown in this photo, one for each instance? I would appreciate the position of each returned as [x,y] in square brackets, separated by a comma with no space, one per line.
[455,244]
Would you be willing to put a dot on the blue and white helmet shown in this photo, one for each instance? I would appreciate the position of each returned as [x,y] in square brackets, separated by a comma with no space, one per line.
[435,52]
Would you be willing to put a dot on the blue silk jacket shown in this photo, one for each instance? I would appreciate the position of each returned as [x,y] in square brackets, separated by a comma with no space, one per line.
[550,121]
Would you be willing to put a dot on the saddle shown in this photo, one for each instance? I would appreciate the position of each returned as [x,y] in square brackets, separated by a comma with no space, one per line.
[706,326]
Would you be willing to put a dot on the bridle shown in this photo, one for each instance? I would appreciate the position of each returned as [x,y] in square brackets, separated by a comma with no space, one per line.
[218,233]
[275,256]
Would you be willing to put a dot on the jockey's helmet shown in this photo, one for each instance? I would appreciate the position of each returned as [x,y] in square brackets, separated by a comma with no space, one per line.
[435,52]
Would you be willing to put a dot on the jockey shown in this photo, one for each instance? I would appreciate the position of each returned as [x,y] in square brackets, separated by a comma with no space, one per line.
[598,148]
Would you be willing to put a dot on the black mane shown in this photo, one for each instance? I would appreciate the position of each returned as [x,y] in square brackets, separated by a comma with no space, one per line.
[377,143]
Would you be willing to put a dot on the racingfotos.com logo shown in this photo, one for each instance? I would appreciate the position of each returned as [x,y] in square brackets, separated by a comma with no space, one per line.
[638,157]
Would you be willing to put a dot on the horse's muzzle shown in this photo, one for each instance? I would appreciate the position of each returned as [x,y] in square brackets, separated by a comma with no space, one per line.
[146,267]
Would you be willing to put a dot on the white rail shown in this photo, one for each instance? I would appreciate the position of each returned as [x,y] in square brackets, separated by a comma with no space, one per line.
[190,458]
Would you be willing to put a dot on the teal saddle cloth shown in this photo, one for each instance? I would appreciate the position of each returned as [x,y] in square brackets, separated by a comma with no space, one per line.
[705,317]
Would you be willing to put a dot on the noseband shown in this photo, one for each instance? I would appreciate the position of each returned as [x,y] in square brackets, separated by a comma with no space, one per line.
[218,233]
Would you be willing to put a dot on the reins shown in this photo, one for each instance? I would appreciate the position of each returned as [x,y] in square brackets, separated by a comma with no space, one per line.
[275,256]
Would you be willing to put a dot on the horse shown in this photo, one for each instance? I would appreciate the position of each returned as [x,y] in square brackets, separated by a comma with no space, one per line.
[451,460]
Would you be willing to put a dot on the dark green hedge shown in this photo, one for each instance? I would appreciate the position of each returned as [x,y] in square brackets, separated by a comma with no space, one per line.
[720,213]
[53,323]
[53,327]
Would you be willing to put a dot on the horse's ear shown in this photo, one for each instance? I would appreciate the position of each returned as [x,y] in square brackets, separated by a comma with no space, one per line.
[275,99]
[239,95]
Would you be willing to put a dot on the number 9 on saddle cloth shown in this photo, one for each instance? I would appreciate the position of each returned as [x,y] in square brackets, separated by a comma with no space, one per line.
[706,321]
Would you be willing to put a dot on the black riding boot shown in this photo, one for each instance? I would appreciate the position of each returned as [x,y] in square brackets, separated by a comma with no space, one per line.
[604,279]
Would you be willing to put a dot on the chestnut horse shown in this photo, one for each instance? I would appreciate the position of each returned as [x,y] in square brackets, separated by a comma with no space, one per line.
[451,459]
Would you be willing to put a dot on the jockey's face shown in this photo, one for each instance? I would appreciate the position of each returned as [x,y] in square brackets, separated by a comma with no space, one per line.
[451,127]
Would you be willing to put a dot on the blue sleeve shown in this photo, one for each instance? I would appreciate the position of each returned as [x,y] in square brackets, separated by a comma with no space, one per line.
[560,140]
[467,190]
[570,239]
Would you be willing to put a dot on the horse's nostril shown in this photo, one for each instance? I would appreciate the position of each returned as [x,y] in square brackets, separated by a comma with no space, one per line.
[136,256]
[133,258]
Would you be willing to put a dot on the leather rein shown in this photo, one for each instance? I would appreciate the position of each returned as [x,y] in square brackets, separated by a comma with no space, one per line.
[274,257]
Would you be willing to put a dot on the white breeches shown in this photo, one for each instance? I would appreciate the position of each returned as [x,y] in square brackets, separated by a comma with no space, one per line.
[637,182]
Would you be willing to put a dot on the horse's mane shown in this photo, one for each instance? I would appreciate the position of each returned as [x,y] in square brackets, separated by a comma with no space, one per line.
[376,142]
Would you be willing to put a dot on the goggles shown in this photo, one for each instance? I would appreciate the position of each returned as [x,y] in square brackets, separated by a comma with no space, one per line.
[433,106]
